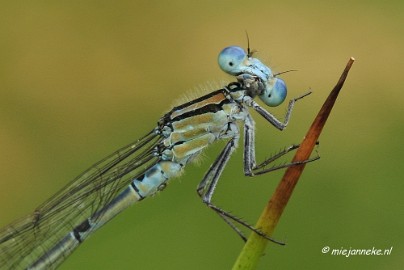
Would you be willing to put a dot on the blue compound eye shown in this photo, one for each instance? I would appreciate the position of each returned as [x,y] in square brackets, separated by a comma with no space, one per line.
[275,93]
[231,59]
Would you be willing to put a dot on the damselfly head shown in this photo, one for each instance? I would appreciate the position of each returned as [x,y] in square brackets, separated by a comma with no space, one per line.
[235,61]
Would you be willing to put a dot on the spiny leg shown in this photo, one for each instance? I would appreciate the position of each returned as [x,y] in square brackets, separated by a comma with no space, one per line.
[277,155]
[250,166]
[206,187]
[270,117]
[208,184]
[282,166]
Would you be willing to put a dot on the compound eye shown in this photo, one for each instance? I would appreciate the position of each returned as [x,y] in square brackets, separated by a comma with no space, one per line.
[231,59]
[275,93]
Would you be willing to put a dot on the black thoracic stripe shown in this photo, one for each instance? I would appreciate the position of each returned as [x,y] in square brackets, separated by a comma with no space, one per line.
[197,100]
[82,228]
[166,119]
[212,108]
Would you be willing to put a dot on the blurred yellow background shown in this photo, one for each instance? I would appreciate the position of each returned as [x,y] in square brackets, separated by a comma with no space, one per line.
[79,79]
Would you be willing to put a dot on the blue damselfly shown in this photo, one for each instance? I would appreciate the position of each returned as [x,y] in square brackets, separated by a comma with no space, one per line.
[45,238]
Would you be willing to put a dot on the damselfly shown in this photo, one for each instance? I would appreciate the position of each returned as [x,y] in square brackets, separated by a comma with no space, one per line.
[55,229]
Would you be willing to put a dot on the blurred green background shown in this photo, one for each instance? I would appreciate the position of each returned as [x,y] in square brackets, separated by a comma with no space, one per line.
[79,79]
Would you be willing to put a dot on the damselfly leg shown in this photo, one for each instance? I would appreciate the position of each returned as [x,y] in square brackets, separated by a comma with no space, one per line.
[208,184]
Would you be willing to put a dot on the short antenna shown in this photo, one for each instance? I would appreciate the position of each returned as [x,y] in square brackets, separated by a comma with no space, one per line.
[249,54]
[249,51]
[279,73]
